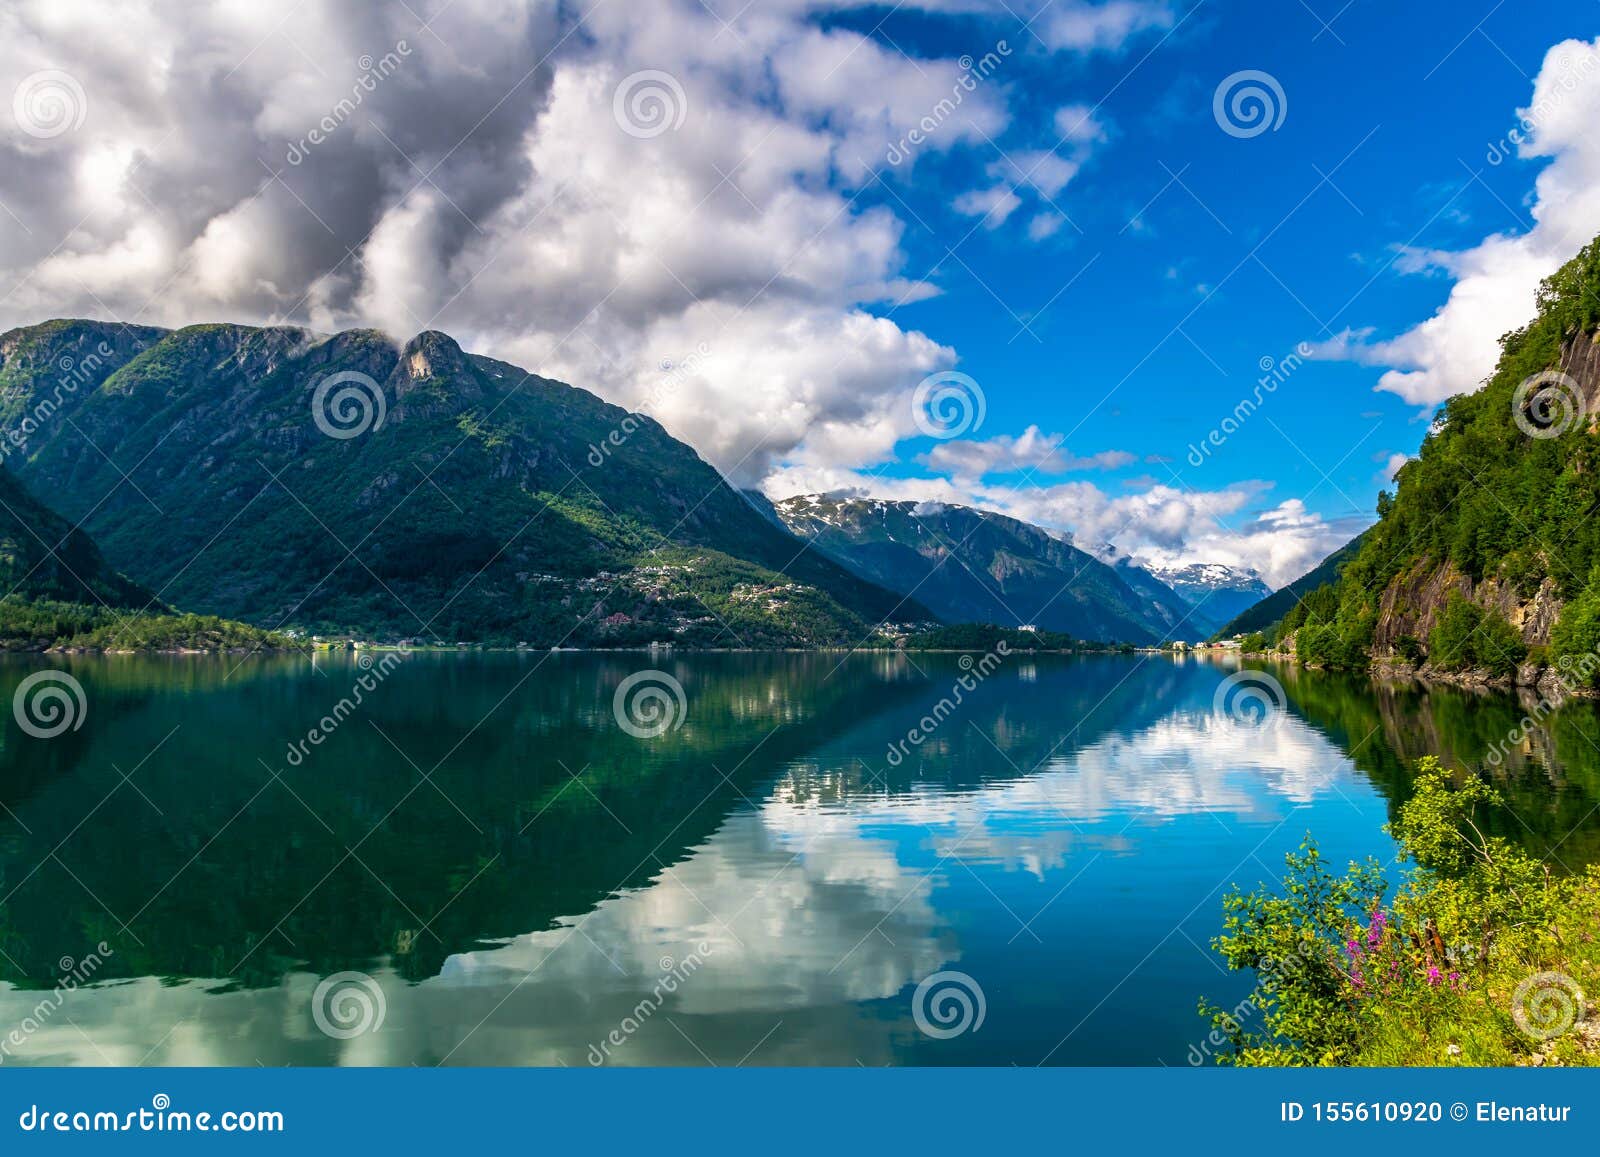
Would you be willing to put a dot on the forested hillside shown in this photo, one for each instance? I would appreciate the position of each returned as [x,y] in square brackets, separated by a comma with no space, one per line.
[1486,555]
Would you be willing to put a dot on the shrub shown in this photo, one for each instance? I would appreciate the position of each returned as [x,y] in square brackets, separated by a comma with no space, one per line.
[1469,637]
[1577,631]
[1350,973]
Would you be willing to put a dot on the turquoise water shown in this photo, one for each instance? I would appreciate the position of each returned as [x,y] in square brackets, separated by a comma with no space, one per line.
[504,874]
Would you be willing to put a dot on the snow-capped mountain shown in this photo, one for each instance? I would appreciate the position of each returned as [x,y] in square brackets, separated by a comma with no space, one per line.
[1221,592]
[970,565]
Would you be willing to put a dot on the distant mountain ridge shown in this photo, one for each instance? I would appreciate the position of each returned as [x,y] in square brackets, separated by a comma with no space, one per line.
[970,565]
[349,484]
[1219,592]
[1262,615]
[424,493]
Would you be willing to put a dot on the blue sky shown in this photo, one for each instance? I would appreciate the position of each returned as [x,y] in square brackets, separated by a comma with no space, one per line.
[1242,248]
[694,208]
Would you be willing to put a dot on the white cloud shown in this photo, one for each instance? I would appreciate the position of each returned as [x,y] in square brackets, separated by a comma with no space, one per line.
[1454,350]
[1080,124]
[993,204]
[483,186]
[1045,225]
[234,166]
[1081,25]
[1159,524]
[1032,450]
[1045,171]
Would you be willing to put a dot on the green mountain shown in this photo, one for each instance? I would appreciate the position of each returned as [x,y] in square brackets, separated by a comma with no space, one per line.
[344,483]
[975,566]
[57,590]
[1262,615]
[43,556]
[1490,545]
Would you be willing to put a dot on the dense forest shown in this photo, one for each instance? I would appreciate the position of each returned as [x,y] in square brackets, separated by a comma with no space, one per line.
[1500,502]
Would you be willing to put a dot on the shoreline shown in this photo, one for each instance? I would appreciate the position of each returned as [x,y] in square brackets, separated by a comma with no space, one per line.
[1543,680]
[357,647]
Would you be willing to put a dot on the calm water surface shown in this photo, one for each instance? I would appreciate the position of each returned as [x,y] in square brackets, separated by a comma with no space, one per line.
[526,883]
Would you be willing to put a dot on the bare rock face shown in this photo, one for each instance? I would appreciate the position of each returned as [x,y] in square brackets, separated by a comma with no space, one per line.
[1580,360]
[1411,604]
[1413,601]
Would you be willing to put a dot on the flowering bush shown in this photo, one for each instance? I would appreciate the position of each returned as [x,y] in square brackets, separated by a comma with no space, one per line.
[1350,971]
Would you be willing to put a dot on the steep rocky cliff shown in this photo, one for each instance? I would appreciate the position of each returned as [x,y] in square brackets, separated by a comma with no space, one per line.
[1487,556]
[1411,604]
